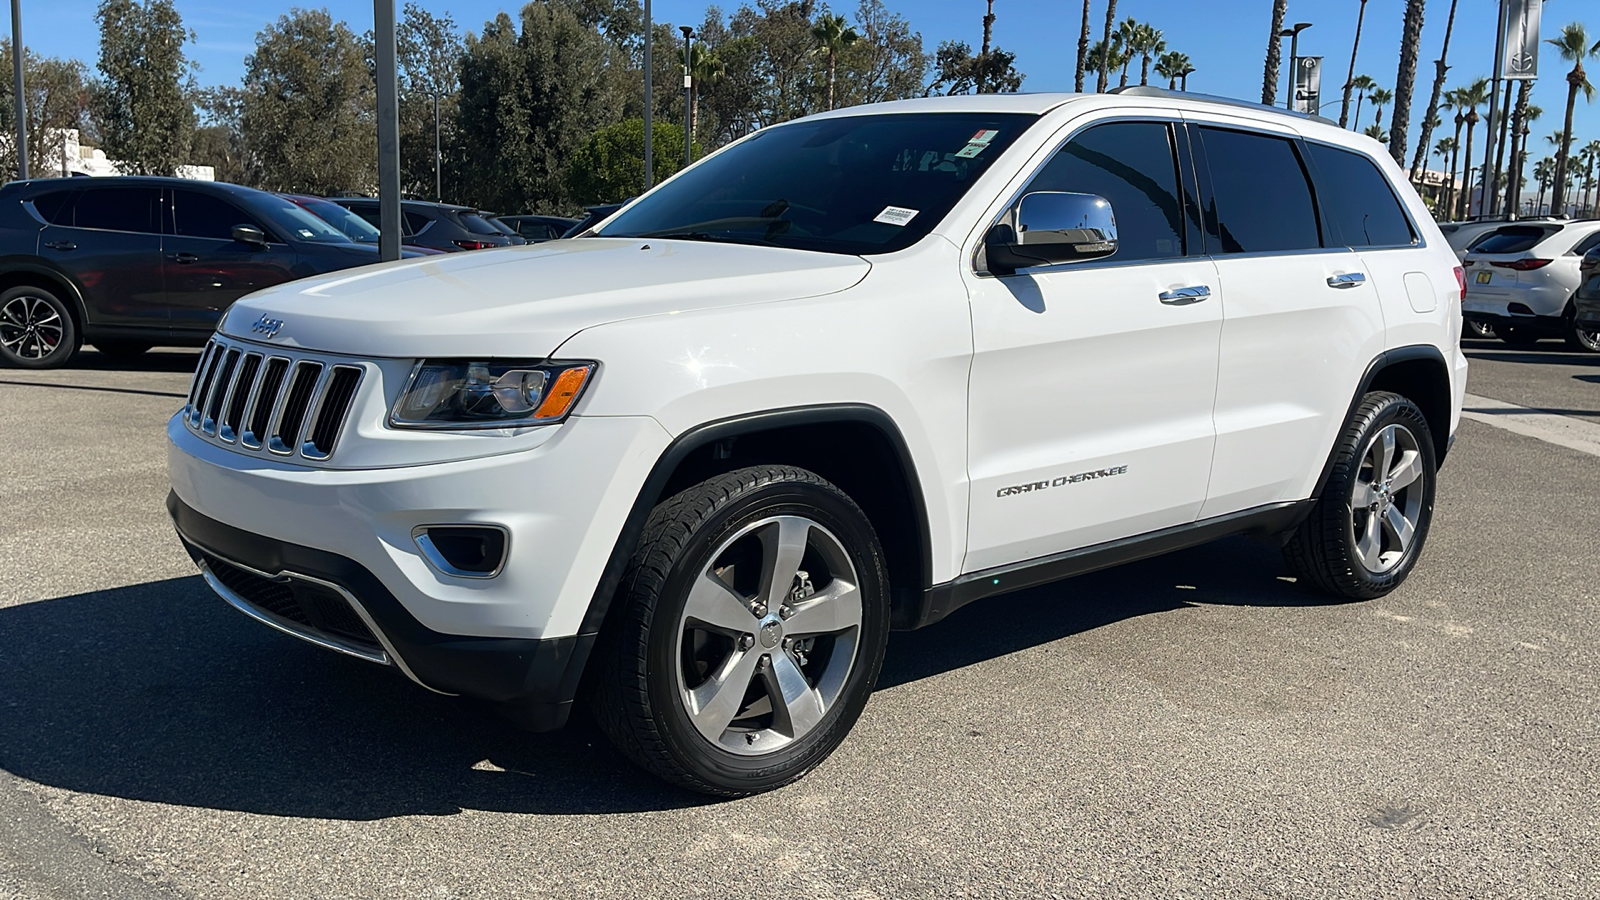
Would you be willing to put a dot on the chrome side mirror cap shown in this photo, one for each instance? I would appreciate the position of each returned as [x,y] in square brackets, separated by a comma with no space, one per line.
[1052,227]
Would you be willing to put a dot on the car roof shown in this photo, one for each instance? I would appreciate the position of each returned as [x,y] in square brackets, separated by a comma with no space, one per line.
[1041,103]
[150,181]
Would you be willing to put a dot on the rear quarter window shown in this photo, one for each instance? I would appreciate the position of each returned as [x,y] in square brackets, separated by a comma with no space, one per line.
[1358,200]
[54,207]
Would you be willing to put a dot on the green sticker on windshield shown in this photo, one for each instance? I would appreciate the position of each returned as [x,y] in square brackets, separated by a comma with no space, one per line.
[971,150]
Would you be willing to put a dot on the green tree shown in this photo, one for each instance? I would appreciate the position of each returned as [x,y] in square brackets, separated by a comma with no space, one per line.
[1469,99]
[1380,98]
[1573,45]
[308,111]
[833,35]
[887,63]
[1150,44]
[56,96]
[142,104]
[1173,65]
[428,51]
[609,166]
[219,141]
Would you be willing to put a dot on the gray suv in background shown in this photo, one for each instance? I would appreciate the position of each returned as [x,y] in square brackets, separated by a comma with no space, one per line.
[441,226]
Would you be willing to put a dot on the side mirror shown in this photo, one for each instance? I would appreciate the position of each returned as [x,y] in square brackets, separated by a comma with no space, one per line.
[1051,227]
[249,234]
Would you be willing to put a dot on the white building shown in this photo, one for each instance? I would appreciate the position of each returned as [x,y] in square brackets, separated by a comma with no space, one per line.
[65,154]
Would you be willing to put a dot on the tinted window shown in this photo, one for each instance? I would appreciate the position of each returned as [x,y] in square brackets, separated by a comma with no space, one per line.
[201,215]
[1261,200]
[535,231]
[1587,244]
[1359,200]
[296,221]
[853,184]
[476,224]
[54,207]
[414,222]
[354,227]
[1511,239]
[1130,164]
[117,209]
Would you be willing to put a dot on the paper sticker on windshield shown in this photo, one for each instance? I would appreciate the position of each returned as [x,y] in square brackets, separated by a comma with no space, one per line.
[984,136]
[895,215]
[971,150]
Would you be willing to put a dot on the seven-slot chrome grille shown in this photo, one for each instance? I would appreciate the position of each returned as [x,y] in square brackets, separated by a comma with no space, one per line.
[267,400]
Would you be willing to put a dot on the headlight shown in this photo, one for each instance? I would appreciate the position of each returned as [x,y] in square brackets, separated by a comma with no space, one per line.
[455,394]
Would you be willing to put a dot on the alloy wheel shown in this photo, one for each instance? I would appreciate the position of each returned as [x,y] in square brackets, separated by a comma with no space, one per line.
[1386,501]
[30,328]
[1587,338]
[768,635]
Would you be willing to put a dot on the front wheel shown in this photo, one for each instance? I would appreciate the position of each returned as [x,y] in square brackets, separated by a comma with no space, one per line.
[1368,526]
[1583,337]
[36,329]
[754,617]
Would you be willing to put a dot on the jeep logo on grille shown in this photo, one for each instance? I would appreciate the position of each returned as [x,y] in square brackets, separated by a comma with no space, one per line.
[267,326]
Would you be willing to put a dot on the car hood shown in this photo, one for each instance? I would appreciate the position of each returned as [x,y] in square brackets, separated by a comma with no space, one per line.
[525,301]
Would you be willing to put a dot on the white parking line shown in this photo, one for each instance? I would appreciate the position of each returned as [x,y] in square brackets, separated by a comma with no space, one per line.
[1563,431]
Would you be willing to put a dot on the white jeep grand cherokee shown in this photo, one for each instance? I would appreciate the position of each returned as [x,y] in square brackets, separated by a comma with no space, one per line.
[843,376]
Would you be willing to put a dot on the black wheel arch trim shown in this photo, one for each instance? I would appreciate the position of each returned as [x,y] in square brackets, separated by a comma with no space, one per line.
[709,433]
[1385,359]
[74,295]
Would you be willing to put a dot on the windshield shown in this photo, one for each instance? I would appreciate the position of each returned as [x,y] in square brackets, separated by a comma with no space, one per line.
[303,225]
[477,224]
[354,227]
[858,184]
[497,225]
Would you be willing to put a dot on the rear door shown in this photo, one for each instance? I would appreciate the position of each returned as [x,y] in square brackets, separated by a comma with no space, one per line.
[106,239]
[1300,317]
[205,269]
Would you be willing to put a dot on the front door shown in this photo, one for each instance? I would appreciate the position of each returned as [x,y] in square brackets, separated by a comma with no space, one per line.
[106,240]
[1092,383]
[205,269]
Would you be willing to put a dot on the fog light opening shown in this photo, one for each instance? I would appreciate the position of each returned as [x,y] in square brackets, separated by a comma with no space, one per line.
[464,551]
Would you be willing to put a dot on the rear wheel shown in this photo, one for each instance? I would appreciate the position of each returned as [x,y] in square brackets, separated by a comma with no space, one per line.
[753,623]
[36,329]
[1368,526]
[1480,329]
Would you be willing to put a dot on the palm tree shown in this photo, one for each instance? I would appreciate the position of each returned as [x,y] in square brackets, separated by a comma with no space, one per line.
[1151,44]
[1470,98]
[705,69]
[1514,165]
[1083,49]
[1349,80]
[1443,149]
[1452,100]
[1376,132]
[1361,84]
[1380,98]
[1129,35]
[1269,80]
[1184,73]
[1405,80]
[1439,70]
[1592,151]
[833,34]
[1173,65]
[1105,58]
[1543,172]
[1573,45]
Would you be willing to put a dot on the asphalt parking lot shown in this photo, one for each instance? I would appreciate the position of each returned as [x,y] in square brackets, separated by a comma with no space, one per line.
[1191,726]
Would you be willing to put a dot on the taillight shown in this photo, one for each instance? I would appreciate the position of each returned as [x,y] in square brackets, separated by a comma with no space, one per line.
[473,245]
[1522,265]
[1461,281]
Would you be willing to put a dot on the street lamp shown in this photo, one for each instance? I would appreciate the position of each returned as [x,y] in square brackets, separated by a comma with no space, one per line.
[1293,34]
[18,52]
[688,83]
[649,102]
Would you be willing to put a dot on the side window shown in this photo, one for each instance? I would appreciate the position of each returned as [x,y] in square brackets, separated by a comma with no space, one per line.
[1261,198]
[1132,165]
[203,216]
[1359,200]
[1585,245]
[117,209]
[54,207]
[415,222]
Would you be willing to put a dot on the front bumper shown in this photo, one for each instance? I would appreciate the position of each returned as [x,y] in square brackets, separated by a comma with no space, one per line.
[533,679]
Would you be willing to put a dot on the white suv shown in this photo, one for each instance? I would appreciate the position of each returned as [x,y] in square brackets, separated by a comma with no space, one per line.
[1522,278]
[843,376]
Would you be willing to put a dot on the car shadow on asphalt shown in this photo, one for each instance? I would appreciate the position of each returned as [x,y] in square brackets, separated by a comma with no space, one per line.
[159,692]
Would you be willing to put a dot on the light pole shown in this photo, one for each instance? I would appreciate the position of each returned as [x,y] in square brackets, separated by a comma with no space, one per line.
[688,84]
[1293,34]
[388,131]
[649,102]
[17,54]
[438,178]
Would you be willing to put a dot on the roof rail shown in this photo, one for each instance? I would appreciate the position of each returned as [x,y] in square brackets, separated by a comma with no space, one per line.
[1147,90]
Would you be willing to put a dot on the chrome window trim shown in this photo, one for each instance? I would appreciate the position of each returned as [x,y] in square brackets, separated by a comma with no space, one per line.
[436,560]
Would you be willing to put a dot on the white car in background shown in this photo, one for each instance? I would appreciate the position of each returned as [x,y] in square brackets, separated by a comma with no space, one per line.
[1521,278]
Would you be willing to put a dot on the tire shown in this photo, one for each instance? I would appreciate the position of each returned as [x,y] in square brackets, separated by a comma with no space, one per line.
[710,551]
[122,351]
[1517,336]
[1482,330]
[36,329]
[1353,544]
[1580,337]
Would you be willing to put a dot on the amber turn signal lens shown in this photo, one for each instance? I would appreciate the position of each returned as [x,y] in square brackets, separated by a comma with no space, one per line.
[566,389]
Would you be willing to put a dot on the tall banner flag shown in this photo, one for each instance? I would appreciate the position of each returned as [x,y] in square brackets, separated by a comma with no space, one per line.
[1308,84]
[1521,40]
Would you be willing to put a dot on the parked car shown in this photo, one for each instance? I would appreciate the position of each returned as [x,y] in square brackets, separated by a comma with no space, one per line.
[503,228]
[847,374]
[539,228]
[354,227]
[1460,235]
[127,263]
[593,216]
[1521,279]
[441,226]
[1586,302]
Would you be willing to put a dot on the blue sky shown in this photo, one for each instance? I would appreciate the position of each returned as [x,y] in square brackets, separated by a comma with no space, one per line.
[1225,39]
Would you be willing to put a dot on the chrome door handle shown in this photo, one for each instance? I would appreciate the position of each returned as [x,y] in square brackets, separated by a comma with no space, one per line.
[61,245]
[1185,295]
[1347,280]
